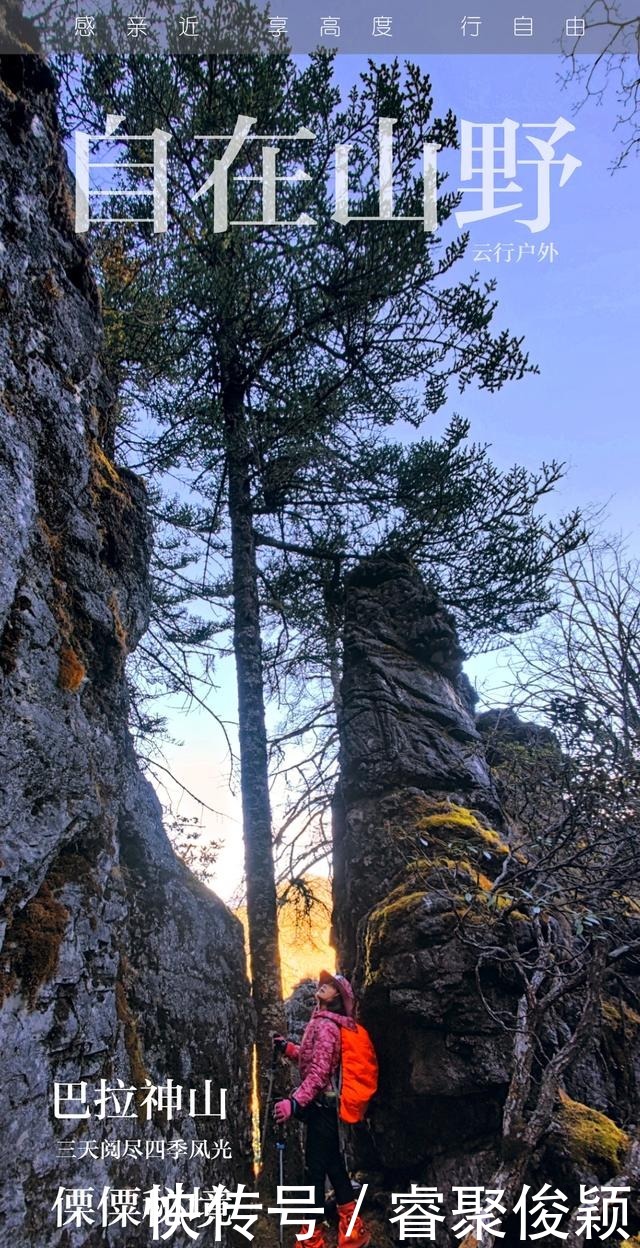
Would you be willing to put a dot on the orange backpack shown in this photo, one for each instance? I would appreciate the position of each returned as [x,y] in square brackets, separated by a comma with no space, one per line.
[358,1073]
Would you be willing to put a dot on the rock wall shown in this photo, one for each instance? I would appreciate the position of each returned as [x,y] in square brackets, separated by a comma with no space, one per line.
[116,964]
[419,839]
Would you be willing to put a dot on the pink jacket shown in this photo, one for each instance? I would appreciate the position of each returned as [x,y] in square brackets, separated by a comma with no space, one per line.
[318,1054]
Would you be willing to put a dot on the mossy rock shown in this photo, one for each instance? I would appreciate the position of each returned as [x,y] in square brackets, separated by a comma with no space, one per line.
[620,1016]
[33,942]
[397,907]
[593,1140]
[458,821]
[444,869]
[456,836]
[456,831]
[105,474]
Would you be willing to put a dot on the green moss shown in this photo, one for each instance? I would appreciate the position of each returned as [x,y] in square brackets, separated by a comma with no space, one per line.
[454,836]
[453,816]
[620,1016]
[405,898]
[593,1139]
[442,873]
[452,819]
[396,906]
[105,477]
[506,904]
[490,905]
[492,841]
[460,866]
[401,902]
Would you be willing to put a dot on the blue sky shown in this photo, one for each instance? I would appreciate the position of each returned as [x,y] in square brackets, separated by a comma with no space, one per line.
[580,314]
[579,318]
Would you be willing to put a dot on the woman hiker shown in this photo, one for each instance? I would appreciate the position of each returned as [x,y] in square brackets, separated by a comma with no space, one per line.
[318,1056]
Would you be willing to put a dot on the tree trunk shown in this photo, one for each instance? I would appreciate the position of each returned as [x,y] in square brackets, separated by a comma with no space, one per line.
[334,615]
[256,809]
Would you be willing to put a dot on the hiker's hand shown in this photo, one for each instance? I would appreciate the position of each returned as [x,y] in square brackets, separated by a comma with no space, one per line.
[283,1110]
[282,1045]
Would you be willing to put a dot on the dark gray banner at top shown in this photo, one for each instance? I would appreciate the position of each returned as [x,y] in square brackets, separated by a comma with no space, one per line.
[373,27]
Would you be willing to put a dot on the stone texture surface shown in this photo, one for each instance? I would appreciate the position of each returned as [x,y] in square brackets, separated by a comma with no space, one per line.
[299,1008]
[115,962]
[407,730]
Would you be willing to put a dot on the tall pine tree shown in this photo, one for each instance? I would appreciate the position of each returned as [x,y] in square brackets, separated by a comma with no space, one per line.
[265,355]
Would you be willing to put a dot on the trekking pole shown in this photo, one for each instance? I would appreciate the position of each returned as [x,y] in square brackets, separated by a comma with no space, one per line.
[263,1139]
[342,1138]
[280,1148]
